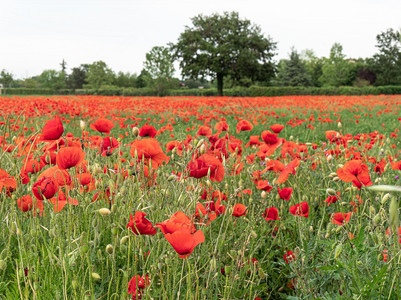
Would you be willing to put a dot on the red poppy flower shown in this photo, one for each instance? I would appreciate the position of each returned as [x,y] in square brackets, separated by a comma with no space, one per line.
[200,167]
[276,128]
[45,187]
[61,200]
[300,209]
[147,130]
[271,214]
[150,151]
[141,225]
[285,193]
[52,130]
[264,185]
[331,199]
[108,145]
[240,210]
[221,126]
[136,284]
[25,203]
[102,125]
[269,137]
[355,171]
[288,169]
[177,145]
[204,131]
[62,176]
[253,141]
[184,242]
[69,157]
[341,218]
[244,125]
[178,221]
[7,181]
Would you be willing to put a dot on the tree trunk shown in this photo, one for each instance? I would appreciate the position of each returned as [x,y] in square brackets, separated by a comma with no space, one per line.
[220,84]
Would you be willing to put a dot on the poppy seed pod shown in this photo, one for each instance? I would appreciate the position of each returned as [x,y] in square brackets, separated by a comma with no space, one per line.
[104,211]
[95,276]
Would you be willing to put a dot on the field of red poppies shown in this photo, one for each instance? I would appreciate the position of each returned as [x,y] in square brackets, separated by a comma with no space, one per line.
[200,198]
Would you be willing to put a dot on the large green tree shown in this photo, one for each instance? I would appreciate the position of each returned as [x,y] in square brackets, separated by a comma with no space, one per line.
[77,78]
[387,62]
[293,71]
[337,70]
[98,75]
[6,78]
[52,79]
[159,64]
[217,46]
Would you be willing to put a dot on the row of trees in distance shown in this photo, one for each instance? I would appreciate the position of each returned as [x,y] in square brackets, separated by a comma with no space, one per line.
[226,51]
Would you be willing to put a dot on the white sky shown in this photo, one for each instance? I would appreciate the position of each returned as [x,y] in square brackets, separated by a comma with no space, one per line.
[37,34]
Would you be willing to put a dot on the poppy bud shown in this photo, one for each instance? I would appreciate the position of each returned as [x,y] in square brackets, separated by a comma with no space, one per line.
[135,131]
[377,180]
[333,174]
[393,212]
[172,177]
[202,149]
[200,143]
[372,210]
[338,251]
[311,228]
[95,276]
[109,249]
[262,274]
[36,286]
[335,179]
[339,125]
[3,265]
[124,240]
[213,263]
[74,284]
[385,198]
[82,124]
[104,211]
[329,158]
[254,235]
[263,194]
[330,191]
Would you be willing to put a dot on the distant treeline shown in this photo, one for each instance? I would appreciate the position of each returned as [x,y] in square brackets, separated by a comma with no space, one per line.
[253,91]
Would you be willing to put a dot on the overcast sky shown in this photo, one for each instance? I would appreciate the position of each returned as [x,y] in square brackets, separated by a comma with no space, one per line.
[38,34]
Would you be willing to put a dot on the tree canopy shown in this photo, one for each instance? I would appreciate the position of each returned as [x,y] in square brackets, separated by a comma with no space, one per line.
[224,45]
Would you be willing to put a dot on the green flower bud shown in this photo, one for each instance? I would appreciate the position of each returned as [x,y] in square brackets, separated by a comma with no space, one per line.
[338,251]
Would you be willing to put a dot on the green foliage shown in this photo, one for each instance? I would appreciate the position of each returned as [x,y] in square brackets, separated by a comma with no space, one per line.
[224,45]
[293,71]
[77,78]
[6,79]
[52,79]
[159,63]
[99,74]
[336,70]
[125,80]
[387,63]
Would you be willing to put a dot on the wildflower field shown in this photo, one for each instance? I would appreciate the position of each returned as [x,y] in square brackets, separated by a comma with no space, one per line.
[200,198]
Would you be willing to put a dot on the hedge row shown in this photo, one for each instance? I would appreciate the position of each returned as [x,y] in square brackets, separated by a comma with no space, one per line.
[253,91]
